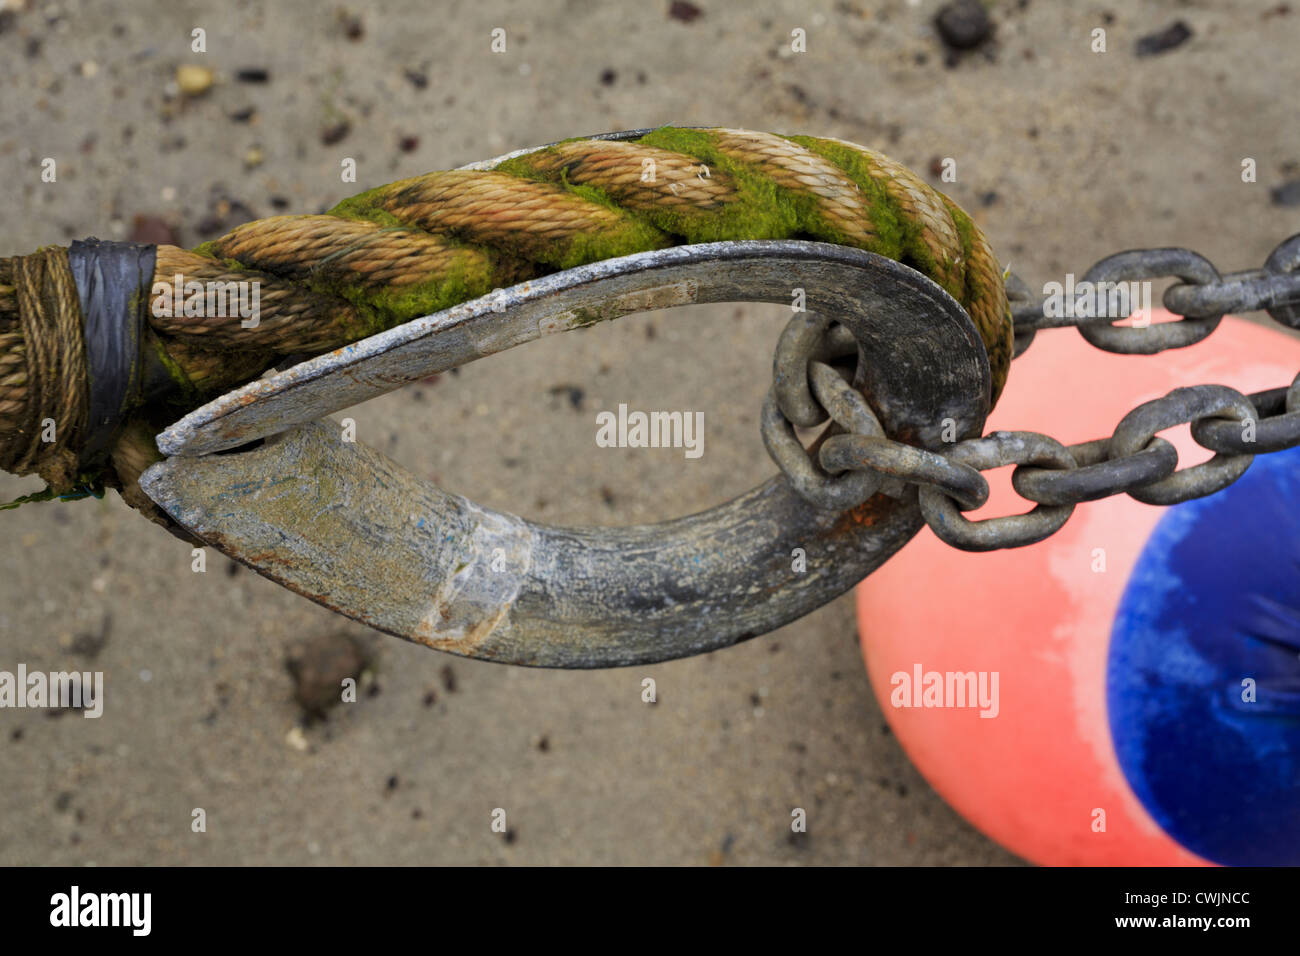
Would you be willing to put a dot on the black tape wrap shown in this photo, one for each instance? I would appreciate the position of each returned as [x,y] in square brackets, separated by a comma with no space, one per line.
[113,280]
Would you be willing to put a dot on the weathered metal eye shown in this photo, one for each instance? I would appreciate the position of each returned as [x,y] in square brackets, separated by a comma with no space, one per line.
[346,526]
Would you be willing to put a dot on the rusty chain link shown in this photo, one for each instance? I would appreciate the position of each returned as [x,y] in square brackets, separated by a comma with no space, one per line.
[853,459]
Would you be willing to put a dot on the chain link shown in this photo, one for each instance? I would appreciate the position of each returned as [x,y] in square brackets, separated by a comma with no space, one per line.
[854,459]
[1099,474]
[1013,531]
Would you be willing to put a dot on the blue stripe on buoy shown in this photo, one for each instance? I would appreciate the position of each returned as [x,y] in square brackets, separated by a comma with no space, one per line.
[1210,618]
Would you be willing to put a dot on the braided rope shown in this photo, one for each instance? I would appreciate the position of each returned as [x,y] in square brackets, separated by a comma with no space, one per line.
[46,306]
[424,244]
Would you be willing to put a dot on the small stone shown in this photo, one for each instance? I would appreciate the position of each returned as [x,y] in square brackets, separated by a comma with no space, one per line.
[607,77]
[319,666]
[963,24]
[417,79]
[253,157]
[408,144]
[684,11]
[153,230]
[296,739]
[335,133]
[193,80]
[351,25]
[1288,194]
[224,213]
[1171,36]
[574,393]
[88,644]
[253,74]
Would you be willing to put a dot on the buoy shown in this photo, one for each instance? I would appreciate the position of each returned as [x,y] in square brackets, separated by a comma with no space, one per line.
[1126,692]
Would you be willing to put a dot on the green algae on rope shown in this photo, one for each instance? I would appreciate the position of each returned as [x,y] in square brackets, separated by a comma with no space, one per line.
[421,245]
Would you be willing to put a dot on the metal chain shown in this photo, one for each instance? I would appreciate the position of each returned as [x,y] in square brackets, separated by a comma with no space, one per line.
[854,459]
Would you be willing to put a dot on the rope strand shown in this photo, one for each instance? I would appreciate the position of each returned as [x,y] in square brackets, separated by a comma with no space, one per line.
[420,245]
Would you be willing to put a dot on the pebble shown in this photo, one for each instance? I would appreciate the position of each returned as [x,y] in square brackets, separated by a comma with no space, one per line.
[684,11]
[963,24]
[88,644]
[351,25]
[193,80]
[318,667]
[1288,194]
[336,133]
[152,229]
[1171,36]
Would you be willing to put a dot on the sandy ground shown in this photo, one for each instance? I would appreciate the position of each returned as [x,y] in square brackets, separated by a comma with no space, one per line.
[1063,154]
